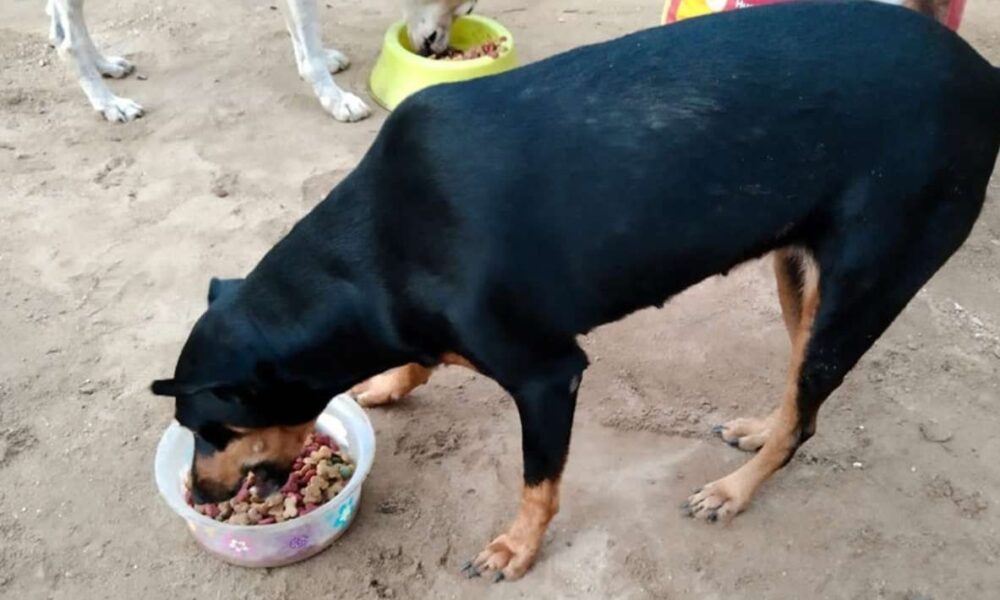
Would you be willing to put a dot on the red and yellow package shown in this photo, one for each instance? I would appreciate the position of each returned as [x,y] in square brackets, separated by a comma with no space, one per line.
[948,12]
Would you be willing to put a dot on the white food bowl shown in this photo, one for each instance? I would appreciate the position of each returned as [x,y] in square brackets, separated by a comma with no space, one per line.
[277,544]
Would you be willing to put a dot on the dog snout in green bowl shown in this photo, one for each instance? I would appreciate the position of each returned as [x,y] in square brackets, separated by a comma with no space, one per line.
[400,72]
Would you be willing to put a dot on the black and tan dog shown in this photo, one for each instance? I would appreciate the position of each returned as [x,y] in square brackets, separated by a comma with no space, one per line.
[494,221]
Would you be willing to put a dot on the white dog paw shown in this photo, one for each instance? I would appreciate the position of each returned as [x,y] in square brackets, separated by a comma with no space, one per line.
[346,107]
[121,110]
[336,60]
[114,66]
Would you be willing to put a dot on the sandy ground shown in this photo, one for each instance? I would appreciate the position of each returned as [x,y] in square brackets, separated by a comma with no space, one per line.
[108,235]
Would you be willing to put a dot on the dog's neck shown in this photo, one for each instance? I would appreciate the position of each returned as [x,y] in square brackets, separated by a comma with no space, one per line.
[332,344]
[310,298]
[310,315]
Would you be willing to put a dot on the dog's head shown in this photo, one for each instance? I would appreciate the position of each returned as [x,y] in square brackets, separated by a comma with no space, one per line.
[428,23]
[244,414]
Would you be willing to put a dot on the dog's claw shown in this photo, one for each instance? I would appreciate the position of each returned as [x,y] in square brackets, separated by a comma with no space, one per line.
[718,429]
[734,443]
[470,570]
[498,577]
[713,517]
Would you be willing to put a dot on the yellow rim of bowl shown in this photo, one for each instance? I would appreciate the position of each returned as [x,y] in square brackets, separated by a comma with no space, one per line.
[378,100]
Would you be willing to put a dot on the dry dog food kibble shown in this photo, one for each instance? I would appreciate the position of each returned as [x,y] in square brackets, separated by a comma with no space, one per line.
[489,48]
[318,474]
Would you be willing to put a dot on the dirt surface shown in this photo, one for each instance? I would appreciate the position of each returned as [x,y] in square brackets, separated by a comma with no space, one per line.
[108,235]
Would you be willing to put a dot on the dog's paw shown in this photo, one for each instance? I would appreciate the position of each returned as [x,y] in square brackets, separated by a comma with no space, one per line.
[368,395]
[120,110]
[336,60]
[391,385]
[115,67]
[747,434]
[379,390]
[506,557]
[345,107]
[720,500]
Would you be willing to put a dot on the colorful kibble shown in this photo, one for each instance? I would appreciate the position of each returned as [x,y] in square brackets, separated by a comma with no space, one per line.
[491,48]
[318,474]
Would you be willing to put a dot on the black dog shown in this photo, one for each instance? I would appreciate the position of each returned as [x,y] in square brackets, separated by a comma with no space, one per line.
[493,221]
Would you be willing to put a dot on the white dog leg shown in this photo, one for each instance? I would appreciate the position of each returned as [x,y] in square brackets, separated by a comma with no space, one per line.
[336,60]
[76,47]
[55,25]
[314,63]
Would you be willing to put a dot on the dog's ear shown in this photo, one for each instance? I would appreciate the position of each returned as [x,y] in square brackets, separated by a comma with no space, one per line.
[174,388]
[218,288]
[165,387]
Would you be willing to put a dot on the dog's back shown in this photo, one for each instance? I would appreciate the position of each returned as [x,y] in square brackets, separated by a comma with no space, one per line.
[655,160]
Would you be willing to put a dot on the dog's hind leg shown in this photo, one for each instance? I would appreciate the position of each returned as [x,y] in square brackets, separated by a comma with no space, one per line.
[396,383]
[390,386]
[795,274]
[797,277]
[866,278]
[76,47]
[314,63]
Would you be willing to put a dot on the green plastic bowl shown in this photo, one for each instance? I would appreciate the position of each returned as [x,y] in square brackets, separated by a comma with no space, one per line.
[400,72]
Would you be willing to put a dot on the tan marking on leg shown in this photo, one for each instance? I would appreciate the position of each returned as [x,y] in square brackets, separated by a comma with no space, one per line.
[789,288]
[748,433]
[391,385]
[727,497]
[512,553]
[794,269]
[450,358]
[397,383]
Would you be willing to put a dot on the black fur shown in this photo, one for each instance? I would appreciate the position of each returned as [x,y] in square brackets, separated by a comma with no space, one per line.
[500,218]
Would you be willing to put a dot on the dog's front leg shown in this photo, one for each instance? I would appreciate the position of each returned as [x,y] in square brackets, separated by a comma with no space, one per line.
[546,407]
[314,62]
